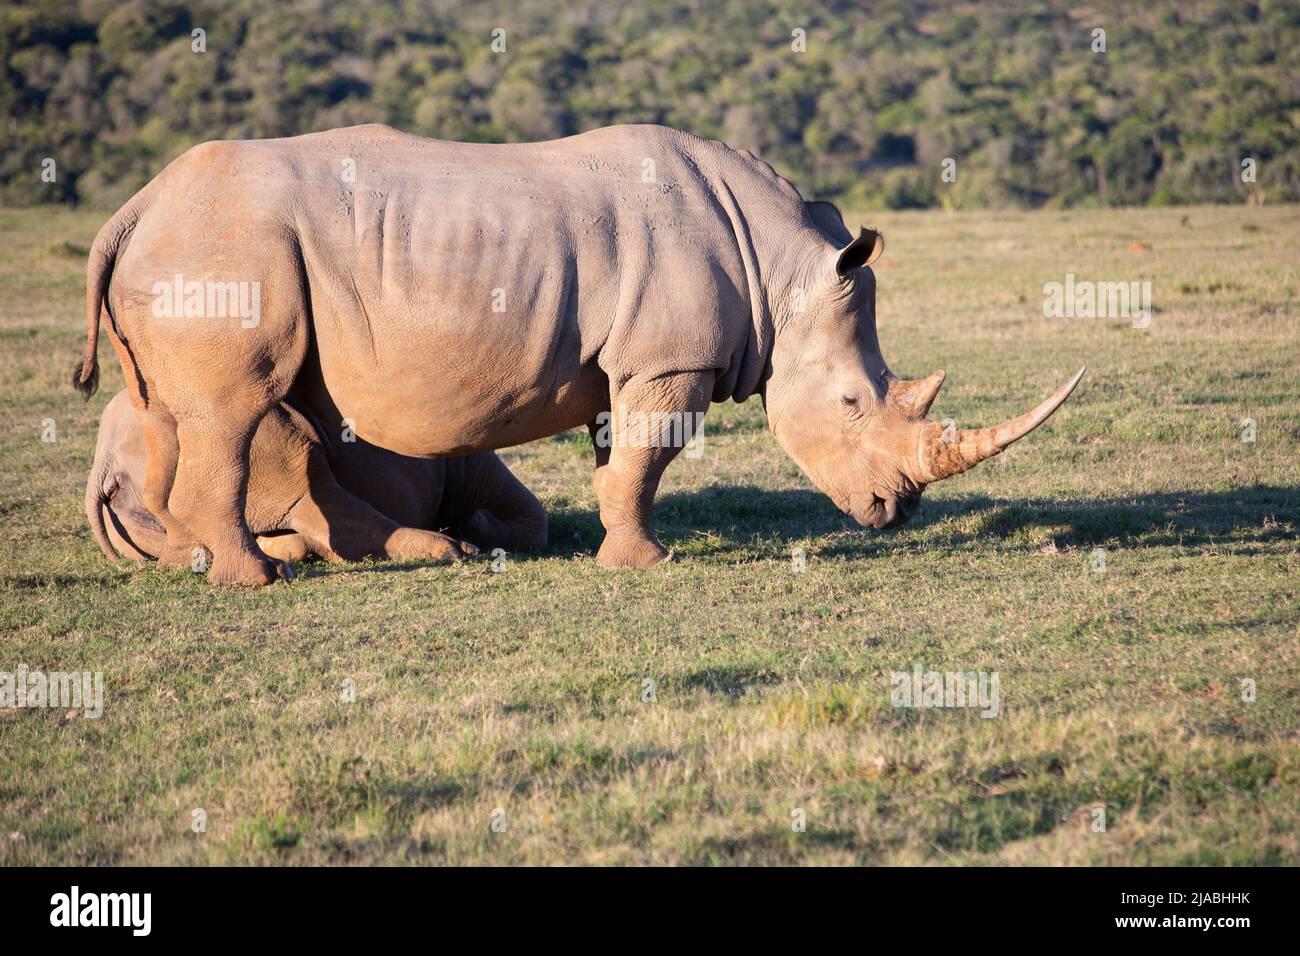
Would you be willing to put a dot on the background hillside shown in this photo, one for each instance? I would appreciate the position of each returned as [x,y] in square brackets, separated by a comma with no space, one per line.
[883,94]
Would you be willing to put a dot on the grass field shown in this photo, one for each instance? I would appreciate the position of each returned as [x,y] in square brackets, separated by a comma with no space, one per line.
[519,698]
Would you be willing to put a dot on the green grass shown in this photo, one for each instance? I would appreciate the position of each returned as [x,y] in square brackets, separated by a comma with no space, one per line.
[523,691]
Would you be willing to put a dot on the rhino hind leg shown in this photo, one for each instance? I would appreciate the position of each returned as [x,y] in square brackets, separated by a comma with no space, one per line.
[641,448]
[489,531]
[210,492]
[331,521]
[498,510]
[297,506]
[339,526]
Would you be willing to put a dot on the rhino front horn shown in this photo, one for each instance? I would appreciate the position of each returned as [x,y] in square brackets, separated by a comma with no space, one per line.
[942,454]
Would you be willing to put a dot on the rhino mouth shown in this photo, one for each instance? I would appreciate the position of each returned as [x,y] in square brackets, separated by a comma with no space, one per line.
[882,513]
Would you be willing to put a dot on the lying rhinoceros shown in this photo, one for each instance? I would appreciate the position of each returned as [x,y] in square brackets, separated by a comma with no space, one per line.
[451,298]
[314,491]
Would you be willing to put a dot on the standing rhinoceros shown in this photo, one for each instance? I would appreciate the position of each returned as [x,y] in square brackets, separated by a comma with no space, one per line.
[447,298]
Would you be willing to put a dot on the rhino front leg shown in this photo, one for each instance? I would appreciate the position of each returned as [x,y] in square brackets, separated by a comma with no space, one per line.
[650,421]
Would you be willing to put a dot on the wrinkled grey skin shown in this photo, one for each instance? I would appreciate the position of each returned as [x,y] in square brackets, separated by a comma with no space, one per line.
[453,298]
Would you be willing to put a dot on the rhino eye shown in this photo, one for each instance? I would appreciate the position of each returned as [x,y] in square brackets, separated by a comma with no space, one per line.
[849,401]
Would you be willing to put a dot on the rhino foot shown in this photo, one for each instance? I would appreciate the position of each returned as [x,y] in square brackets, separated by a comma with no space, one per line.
[248,571]
[415,544]
[631,551]
[284,547]
[182,557]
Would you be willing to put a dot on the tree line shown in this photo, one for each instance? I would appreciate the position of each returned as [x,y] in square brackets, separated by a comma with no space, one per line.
[896,104]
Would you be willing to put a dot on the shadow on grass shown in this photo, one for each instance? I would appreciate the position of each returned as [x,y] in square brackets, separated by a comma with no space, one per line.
[729,681]
[722,520]
[782,845]
[729,516]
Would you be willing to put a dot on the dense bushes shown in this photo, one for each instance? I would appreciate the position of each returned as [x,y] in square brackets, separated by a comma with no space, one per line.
[868,113]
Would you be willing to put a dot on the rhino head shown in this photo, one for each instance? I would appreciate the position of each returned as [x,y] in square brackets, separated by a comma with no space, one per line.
[858,431]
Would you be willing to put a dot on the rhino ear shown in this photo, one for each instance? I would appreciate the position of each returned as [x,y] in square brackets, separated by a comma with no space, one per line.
[862,251]
[829,222]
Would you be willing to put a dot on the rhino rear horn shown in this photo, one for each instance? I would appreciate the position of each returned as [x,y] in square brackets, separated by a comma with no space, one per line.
[914,396]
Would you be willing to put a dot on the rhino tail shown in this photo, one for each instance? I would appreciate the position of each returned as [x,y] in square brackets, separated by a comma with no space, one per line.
[99,272]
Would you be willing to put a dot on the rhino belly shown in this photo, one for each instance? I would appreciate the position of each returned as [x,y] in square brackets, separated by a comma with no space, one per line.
[451,392]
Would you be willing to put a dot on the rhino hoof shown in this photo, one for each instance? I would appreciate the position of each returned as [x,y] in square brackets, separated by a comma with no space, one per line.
[631,552]
[248,571]
[416,544]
